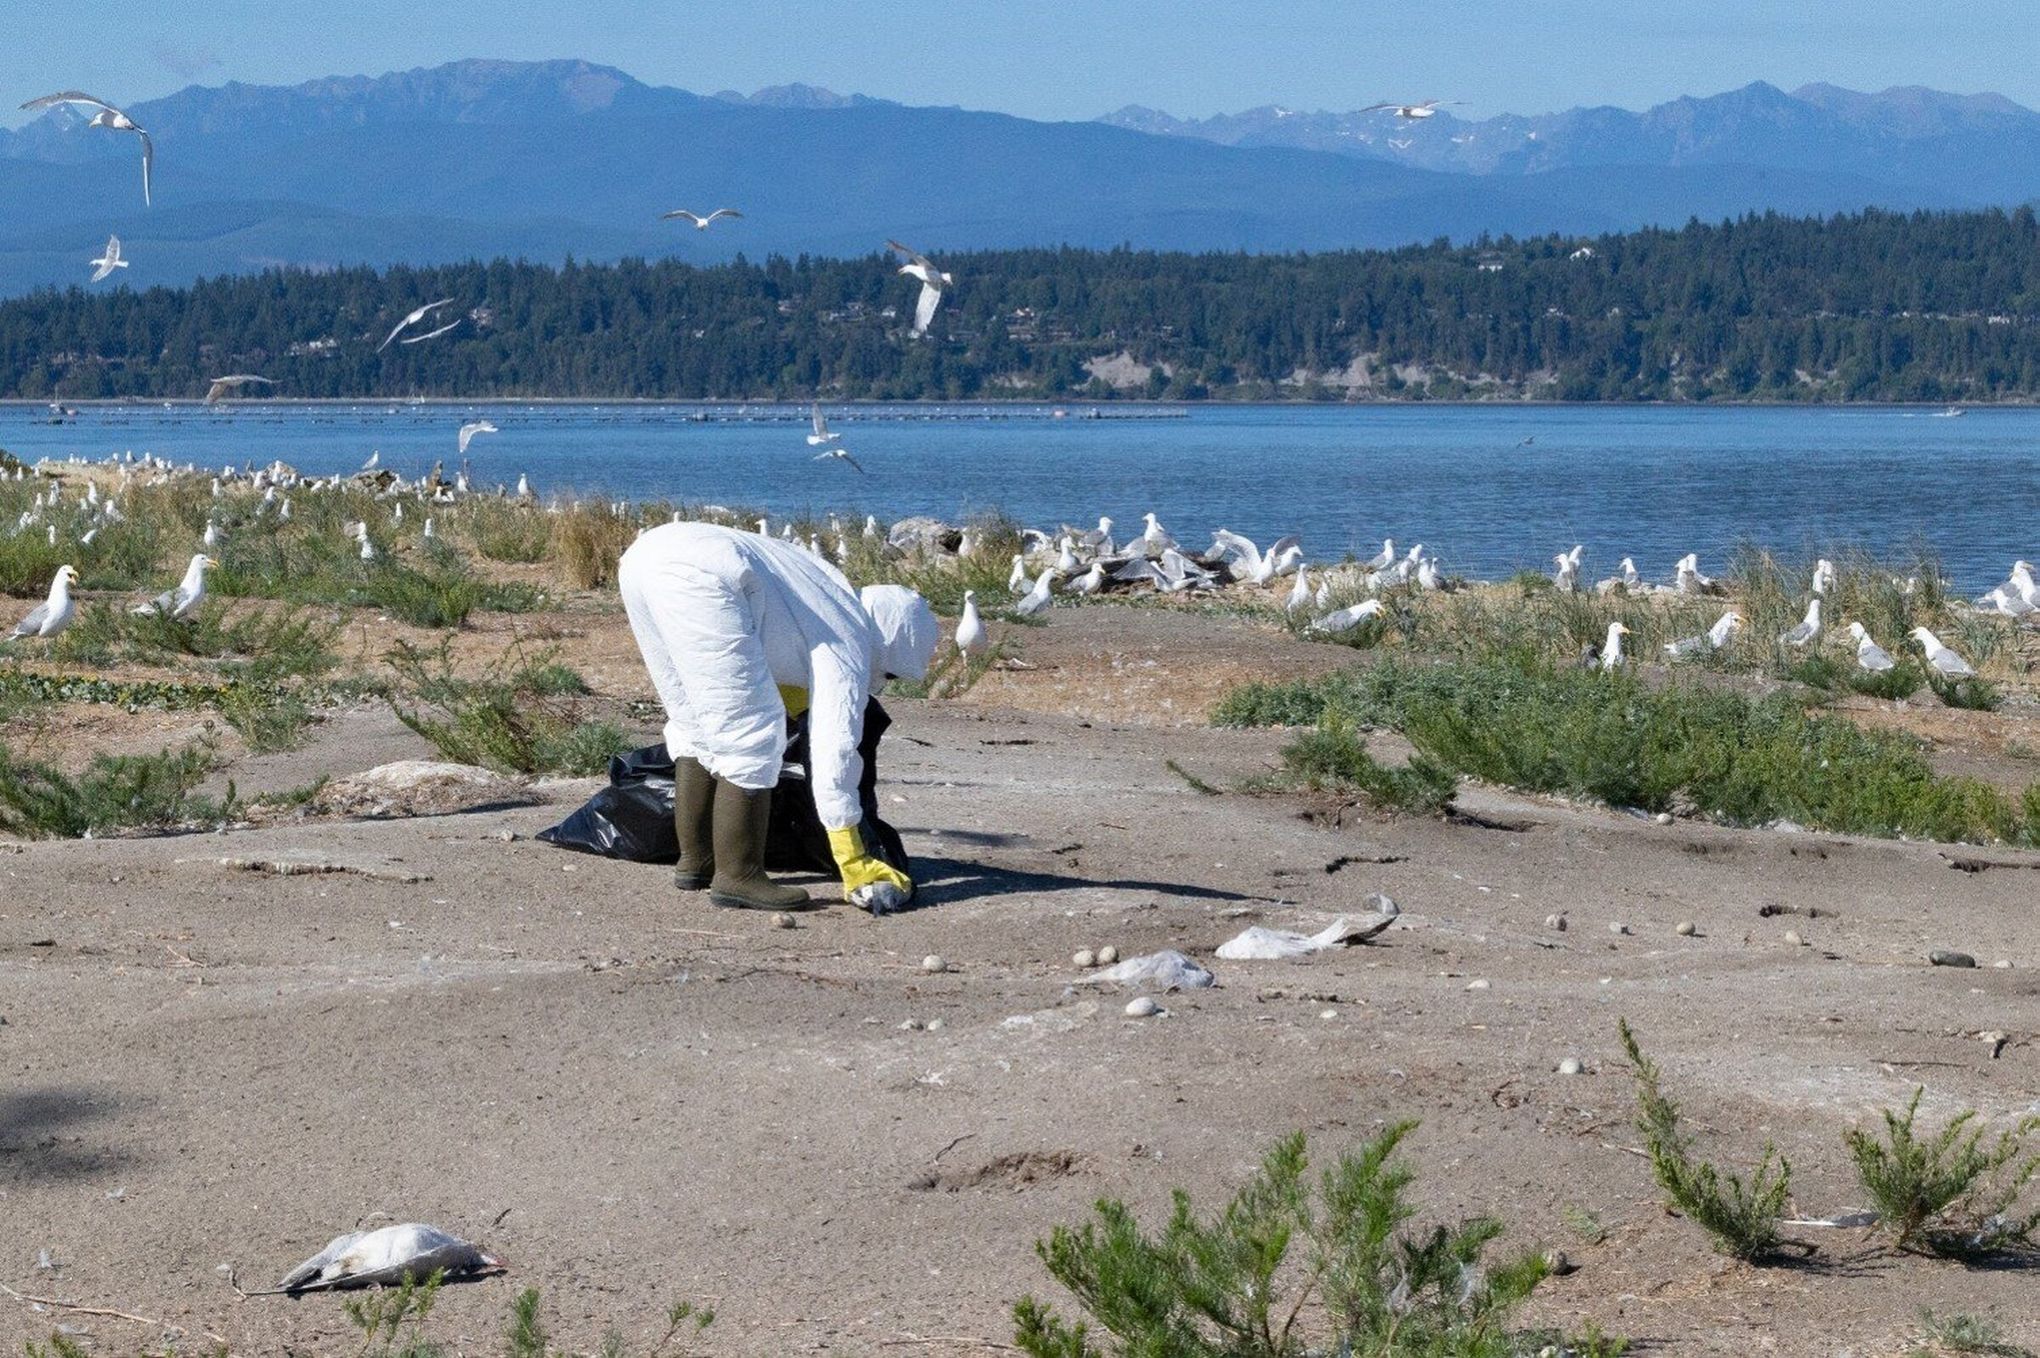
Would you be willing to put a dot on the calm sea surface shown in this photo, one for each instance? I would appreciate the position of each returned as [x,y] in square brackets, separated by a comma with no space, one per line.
[1648,482]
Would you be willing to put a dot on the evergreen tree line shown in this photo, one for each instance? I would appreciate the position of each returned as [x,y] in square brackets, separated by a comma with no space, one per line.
[1876,306]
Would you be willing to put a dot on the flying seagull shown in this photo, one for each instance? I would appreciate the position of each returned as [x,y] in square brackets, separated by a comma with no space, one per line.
[700,222]
[190,592]
[821,435]
[53,614]
[933,282]
[468,432]
[453,324]
[233,382]
[109,117]
[841,455]
[1409,112]
[104,266]
[420,314]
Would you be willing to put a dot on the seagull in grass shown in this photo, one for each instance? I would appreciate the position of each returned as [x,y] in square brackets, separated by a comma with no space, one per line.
[970,628]
[1808,628]
[700,222]
[1713,639]
[838,455]
[1091,581]
[1944,661]
[233,382]
[1823,576]
[1383,561]
[1611,649]
[1566,578]
[103,267]
[374,461]
[821,436]
[1628,580]
[412,319]
[1299,593]
[1346,619]
[472,428]
[453,324]
[1410,113]
[107,116]
[177,604]
[1258,567]
[933,283]
[53,614]
[1016,579]
[385,1257]
[1037,598]
[1870,656]
[1154,540]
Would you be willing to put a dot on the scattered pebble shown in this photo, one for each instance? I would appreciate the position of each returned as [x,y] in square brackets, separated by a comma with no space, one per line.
[1143,1007]
[912,1026]
[1555,923]
[1663,818]
[1618,927]
[934,963]
[1942,957]
[508,836]
[1107,955]
[1793,940]
[1572,1065]
[1480,984]
[1084,960]
[1328,1013]
[1686,928]
[2002,964]
[936,1025]
[782,920]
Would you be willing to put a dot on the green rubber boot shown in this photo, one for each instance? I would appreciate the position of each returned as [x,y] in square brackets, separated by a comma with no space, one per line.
[742,820]
[693,815]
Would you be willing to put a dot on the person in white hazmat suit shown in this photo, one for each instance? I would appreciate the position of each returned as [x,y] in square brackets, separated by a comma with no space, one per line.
[740,631]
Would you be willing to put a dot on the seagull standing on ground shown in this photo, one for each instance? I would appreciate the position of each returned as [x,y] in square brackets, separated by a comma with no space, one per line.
[1038,597]
[1943,660]
[1346,619]
[1869,655]
[472,428]
[177,604]
[1808,628]
[970,628]
[933,283]
[109,117]
[53,614]
[103,267]
[700,222]
[1713,639]
[412,319]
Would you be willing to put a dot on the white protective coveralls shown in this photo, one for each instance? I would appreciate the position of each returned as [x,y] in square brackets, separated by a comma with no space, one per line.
[726,619]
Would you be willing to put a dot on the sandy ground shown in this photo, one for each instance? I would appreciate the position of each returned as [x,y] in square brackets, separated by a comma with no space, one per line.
[635,1097]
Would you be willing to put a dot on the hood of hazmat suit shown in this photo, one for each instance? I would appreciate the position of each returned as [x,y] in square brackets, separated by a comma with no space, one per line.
[907,631]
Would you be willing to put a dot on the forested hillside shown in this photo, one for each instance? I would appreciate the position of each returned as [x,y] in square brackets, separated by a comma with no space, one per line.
[1880,306]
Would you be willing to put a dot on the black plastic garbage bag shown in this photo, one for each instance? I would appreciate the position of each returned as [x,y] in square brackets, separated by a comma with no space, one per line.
[632,818]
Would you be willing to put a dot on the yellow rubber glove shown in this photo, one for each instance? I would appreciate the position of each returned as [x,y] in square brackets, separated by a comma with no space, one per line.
[868,881]
[794,698]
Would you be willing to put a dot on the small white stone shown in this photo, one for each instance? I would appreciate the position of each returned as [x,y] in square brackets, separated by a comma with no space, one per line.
[936,1025]
[1481,984]
[1572,1065]
[1664,818]
[1618,927]
[1555,923]
[2003,964]
[1084,959]
[934,963]
[1328,1013]
[1143,1007]
[782,920]
[1793,940]
[1686,928]
[1107,955]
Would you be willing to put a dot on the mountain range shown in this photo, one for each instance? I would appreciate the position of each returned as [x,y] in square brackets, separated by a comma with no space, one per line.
[545,160]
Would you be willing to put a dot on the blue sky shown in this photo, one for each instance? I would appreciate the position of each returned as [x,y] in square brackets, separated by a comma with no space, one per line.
[1065,60]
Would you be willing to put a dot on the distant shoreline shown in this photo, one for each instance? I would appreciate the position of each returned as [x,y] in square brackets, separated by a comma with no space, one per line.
[1074,405]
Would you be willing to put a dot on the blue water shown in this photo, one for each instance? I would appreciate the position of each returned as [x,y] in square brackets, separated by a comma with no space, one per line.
[1648,482]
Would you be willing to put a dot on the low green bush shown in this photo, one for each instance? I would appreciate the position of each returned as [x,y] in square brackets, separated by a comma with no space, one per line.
[524,719]
[1333,756]
[114,792]
[1956,1192]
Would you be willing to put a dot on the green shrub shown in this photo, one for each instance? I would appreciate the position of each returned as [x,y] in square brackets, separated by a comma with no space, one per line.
[1742,1217]
[114,792]
[1333,756]
[1965,1335]
[1281,1261]
[503,530]
[518,722]
[1951,1193]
